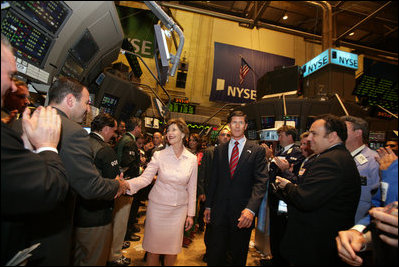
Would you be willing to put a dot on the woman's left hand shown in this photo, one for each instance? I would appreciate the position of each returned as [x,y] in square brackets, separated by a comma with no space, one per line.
[189,223]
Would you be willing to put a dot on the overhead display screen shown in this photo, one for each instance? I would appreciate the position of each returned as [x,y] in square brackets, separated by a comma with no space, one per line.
[30,43]
[49,15]
[85,49]
[378,91]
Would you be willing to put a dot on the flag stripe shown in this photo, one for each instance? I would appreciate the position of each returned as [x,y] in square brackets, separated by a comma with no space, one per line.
[244,69]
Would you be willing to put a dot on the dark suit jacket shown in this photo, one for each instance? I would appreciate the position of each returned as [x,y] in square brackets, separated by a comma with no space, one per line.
[30,183]
[245,190]
[323,204]
[205,171]
[129,155]
[98,212]
[293,156]
[55,228]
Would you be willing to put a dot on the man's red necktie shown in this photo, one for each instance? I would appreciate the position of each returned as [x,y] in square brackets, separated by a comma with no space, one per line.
[234,159]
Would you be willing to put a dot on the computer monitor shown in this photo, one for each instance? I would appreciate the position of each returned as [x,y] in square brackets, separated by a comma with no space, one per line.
[267,122]
[29,42]
[50,16]
[109,104]
[85,49]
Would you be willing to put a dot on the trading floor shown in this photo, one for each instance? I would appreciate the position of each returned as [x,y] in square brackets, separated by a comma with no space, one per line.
[191,256]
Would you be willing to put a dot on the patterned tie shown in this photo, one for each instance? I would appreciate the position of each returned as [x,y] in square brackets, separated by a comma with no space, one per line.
[234,159]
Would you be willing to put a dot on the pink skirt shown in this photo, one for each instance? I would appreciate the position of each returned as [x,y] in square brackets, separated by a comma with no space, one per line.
[164,228]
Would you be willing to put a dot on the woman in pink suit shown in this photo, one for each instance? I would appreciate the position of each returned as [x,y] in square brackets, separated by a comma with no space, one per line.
[172,200]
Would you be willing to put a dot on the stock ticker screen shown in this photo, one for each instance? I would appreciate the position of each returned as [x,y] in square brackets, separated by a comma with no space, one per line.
[49,15]
[378,91]
[29,43]
[109,104]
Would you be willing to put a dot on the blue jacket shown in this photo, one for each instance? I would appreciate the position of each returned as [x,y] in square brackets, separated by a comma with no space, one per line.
[390,192]
[369,171]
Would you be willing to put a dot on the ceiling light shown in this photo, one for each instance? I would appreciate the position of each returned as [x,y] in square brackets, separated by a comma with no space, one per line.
[285,17]
[352,33]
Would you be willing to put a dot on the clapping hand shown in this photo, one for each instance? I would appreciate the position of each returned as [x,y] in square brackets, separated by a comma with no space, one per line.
[43,128]
[386,219]
[348,243]
[269,150]
[385,157]
[283,164]
[281,182]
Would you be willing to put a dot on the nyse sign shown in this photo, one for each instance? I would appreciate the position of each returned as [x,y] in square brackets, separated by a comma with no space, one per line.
[344,59]
[234,91]
[330,56]
[315,64]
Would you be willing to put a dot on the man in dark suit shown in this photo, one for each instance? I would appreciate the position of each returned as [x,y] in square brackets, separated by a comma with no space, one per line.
[30,182]
[93,218]
[289,156]
[71,99]
[204,176]
[237,186]
[129,158]
[325,201]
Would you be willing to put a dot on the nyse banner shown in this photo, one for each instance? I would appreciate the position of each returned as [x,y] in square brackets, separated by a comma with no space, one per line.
[138,28]
[226,72]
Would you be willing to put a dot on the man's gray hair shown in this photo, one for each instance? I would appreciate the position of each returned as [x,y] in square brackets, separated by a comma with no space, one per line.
[359,124]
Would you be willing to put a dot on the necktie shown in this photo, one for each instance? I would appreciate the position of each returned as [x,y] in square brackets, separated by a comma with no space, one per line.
[234,159]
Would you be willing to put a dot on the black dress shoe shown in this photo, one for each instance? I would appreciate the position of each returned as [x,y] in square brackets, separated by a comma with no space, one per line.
[126,244]
[121,261]
[132,237]
[135,229]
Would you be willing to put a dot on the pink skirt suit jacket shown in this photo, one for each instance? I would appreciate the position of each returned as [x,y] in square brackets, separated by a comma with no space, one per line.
[171,200]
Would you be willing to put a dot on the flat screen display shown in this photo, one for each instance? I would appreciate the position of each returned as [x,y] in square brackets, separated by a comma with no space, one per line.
[71,68]
[30,43]
[109,104]
[85,49]
[267,122]
[48,15]
[132,59]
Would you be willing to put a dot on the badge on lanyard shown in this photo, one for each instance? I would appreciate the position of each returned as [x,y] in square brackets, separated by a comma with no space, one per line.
[361,159]
[384,191]
[289,150]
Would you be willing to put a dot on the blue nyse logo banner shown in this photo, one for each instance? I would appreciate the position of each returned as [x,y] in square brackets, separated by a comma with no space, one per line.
[343,58]
[316,63]
[226,72]
[330,56]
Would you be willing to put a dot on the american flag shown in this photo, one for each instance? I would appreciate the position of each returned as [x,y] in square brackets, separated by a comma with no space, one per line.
[244,69]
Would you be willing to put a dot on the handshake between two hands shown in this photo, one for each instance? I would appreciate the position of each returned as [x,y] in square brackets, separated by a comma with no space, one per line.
[123,185]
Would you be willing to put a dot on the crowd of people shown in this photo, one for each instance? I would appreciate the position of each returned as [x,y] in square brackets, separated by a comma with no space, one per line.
[331,199]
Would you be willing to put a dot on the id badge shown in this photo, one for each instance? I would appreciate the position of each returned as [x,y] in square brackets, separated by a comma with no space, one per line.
[363,180]
[282,207]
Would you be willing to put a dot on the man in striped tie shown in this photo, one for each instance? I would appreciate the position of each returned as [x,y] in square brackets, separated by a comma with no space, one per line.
[236,189]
